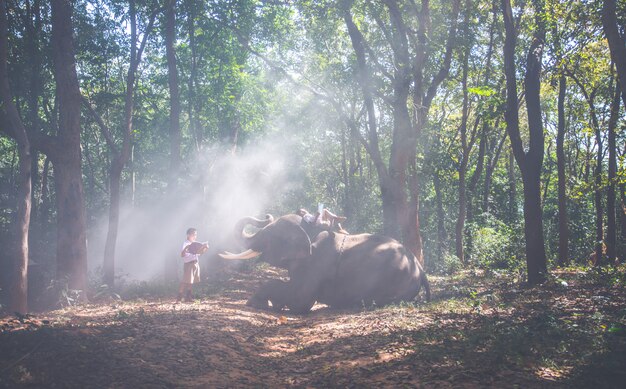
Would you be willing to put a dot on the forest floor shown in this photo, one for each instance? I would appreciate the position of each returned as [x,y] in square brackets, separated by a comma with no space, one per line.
[480,330]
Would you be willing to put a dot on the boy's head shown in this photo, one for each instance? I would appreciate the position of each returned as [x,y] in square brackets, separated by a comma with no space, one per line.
[192,234]
[302,212]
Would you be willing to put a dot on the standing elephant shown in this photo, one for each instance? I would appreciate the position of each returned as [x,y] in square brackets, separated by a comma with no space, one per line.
[331,268]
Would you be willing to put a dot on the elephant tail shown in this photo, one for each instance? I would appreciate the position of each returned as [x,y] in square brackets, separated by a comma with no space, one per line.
[422,278]
[424,281]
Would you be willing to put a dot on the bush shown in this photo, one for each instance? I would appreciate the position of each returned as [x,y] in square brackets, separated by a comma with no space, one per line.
[449,264]
[493,244]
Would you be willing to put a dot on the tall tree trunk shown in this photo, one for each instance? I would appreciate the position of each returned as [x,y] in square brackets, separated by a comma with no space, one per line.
[465,148]
[71,219]
[478,171]
[402,161]
[621,250]
[33,28]
[175,134]
[563,257]
[44,211]
[530,161]
[563,253]
[599,246]
[492,162]
[121,156]
[441,227]
[513,214]
[191,90]
[616,43]
[18,301]
[611,226]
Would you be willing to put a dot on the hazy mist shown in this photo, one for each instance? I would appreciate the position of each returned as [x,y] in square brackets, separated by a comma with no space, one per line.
[213,194]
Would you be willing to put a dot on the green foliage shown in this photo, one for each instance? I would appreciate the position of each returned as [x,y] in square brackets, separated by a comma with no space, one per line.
[450,264]
[494,244]
[288,69]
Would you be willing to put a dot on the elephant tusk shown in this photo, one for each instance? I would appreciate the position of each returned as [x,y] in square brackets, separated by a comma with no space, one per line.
[248,254]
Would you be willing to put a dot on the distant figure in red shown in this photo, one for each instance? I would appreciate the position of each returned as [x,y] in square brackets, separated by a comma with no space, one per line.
[191,268]
[323,218]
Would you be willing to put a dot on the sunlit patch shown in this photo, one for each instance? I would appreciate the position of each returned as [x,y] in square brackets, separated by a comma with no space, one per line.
[386,246]
[553,374]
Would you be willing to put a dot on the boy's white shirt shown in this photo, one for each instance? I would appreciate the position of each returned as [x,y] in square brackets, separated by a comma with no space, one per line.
[188,256]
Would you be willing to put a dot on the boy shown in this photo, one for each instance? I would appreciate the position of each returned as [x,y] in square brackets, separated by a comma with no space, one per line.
[191,269]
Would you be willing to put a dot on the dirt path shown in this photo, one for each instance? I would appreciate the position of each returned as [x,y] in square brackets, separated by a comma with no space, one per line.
[475,333]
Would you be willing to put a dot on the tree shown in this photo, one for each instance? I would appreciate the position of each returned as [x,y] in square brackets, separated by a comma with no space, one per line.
[121,154]
[529,162]
[175,133]
[64,151]
[611,227]
[16,129]
[408,79]
[616,42]
[563,256]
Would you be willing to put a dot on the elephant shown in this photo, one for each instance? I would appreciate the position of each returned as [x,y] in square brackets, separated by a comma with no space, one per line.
[331,268]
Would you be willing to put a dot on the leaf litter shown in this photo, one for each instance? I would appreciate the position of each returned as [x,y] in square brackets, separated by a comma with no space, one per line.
[481,329]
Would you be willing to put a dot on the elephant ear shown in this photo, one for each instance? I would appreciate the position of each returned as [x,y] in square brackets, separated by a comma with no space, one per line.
[288,241]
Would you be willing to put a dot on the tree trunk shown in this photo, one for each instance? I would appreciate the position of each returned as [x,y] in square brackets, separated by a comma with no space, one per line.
[18,301]
[465,148]
[563,257]
[611,224]
[33,29]
[492,162]
[616,43]
[44,210]
[399,183]
[108,265]
[533,229]
[530,162]
[175,134]
[441,227]
[71,233]
[478,171]
[513,214]
[121,157]
[621,250]
[191,90]
[599,244]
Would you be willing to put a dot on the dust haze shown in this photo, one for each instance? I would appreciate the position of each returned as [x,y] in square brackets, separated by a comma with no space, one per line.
[214,192]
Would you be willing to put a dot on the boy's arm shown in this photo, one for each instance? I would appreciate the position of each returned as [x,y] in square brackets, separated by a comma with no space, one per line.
[185,251]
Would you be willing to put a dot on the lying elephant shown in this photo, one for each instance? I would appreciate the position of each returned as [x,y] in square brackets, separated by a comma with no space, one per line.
[335,269]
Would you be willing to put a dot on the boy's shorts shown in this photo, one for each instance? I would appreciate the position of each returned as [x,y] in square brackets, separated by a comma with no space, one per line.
[191,272]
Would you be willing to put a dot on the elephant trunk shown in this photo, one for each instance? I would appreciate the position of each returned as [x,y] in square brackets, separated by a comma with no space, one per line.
[245,238]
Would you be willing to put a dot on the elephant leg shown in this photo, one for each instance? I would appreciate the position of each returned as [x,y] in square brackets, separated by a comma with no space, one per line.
[285,295]
[257,301]
[303,306]
[282,295]
[270,291]
[295,297]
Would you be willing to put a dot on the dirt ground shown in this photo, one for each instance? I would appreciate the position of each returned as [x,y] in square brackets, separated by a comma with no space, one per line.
[478,331]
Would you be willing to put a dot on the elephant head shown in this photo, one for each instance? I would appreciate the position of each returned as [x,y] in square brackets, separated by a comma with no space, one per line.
[277,242]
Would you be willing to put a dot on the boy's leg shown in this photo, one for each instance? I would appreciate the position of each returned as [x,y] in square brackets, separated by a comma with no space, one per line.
[328,215]
[181,291]
[332,218]
[194,278]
